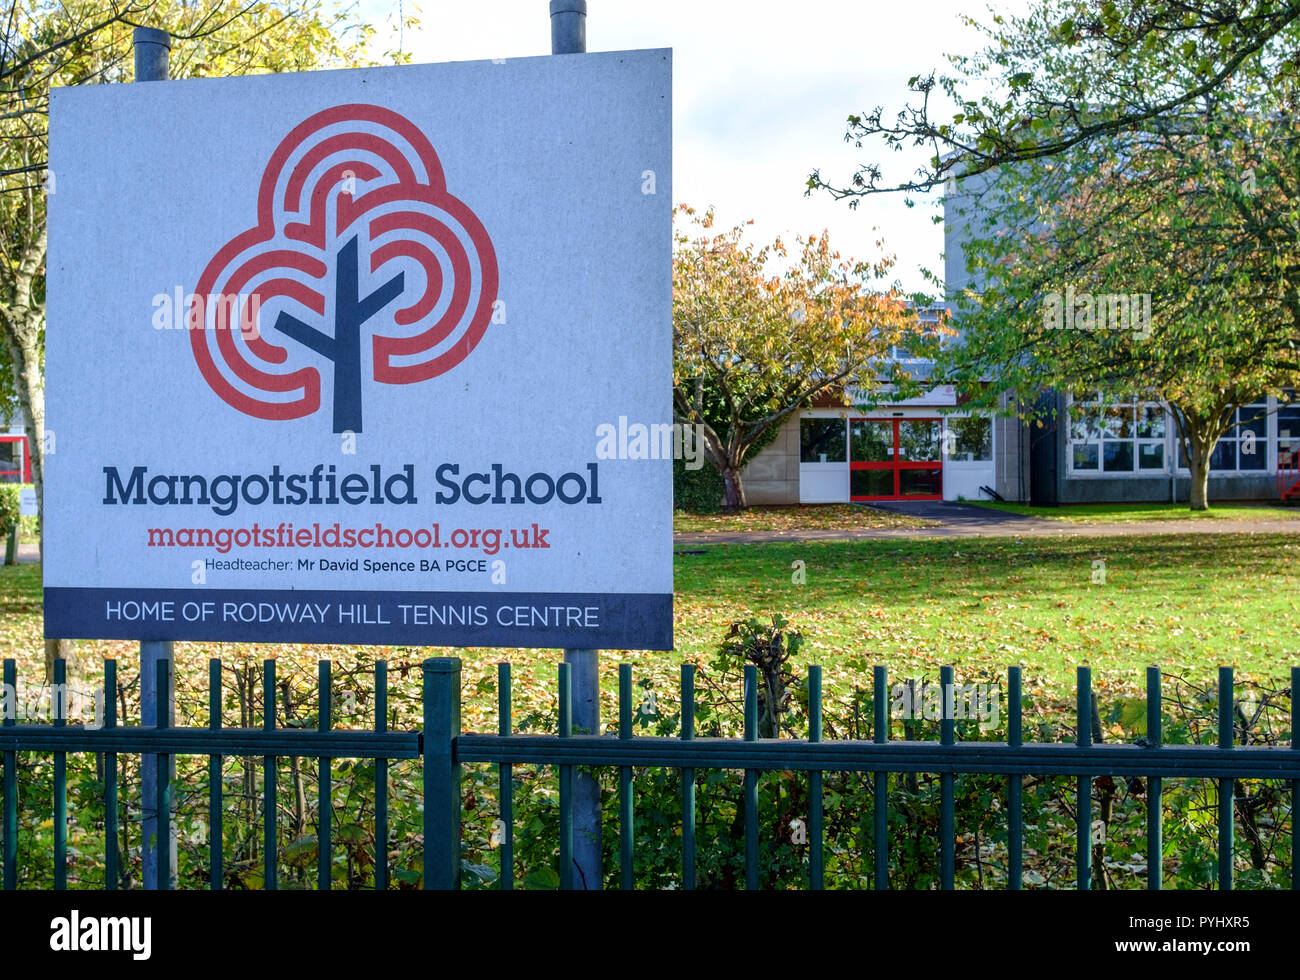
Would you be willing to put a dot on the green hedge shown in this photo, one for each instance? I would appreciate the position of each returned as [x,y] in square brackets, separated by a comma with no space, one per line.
[8,508]
[698,491]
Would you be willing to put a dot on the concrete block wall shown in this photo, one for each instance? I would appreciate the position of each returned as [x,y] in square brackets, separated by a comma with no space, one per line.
[772,476]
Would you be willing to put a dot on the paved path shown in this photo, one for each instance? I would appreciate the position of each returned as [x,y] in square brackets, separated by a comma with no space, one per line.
[959,520]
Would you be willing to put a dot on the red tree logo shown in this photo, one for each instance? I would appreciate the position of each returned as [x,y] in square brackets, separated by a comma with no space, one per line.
[356,236]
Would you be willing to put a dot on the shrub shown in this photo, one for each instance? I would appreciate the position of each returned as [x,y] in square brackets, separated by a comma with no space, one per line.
[697,491]
[8,507]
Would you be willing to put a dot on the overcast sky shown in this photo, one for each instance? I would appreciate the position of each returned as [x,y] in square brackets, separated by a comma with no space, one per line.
[760,95]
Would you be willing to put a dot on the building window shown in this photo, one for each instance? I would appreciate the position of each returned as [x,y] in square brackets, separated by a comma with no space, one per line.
[1109,435]
[1245,447]
[13,459]
[822,441]
[1288,421]
[970,439]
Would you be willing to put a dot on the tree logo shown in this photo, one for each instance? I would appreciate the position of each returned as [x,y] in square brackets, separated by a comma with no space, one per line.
[356,237]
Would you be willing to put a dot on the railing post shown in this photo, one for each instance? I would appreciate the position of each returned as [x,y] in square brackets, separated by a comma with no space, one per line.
[1295,783]
[947,804]
[1083,813]
[441,773]
[165,852]
[11,784]
[1015,787]
[1155,804]
[1226,784]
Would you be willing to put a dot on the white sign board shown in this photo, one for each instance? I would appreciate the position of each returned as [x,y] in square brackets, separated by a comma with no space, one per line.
[27,502]
[336,356]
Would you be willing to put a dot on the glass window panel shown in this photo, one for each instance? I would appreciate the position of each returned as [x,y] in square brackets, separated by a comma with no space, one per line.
[972,439]
[1085,422]
[1224,456]
[822,441]
[1252,454]
[1117,457]
[872,441]
[1118,422]
[1288,427]
[1151,422]
[920,483]
[11,461]
[1085,455]
[871,483]
[918,440]
[1151,455]
[1252,418]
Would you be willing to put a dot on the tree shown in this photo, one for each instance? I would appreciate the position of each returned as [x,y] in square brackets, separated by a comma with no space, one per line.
[1115,168]
[84,42]
[1130,273]
[761,346]
[1147,61]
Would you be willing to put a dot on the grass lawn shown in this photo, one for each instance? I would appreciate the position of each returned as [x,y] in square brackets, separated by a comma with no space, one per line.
[806,517]
[1186,604]
[1114,513]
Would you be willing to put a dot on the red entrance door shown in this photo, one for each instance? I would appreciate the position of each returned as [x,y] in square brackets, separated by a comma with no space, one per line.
[895,459]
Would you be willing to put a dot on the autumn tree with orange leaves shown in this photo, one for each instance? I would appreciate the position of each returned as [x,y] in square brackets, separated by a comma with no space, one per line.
[752,345]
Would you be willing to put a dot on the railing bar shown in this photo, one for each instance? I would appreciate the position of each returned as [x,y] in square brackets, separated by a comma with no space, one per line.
[111,861]
[1183,762]
[59,706]
[506,779]
[751,780]
[307,742]
[816,857]
[269,833]
[1015,787]
[626,814]
[1083,813]
[1155,795]
[688,780]
[566,783]
[11,787]
[215,835]
[1226,789]
[324,783]
[880,780]
[381,779]
[947,816]
[163,821]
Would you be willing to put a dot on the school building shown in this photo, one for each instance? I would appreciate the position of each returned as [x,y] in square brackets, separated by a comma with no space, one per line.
[1088,449]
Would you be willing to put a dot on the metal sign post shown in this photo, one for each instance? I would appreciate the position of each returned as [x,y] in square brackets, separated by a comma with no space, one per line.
[569,36]
[152,48]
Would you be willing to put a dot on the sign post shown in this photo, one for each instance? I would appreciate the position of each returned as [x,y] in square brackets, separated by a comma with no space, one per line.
[569,36]
[152,48]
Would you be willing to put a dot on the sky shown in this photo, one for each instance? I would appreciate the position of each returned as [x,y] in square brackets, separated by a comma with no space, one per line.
[761,91]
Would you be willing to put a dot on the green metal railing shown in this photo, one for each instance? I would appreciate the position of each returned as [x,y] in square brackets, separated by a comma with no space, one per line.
[443,748]
[1085,759]
[215,741]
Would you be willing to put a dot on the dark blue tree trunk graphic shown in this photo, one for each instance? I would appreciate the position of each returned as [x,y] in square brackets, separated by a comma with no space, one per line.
[344,347]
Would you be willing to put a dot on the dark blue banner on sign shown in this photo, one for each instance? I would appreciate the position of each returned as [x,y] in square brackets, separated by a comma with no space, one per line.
[612,621]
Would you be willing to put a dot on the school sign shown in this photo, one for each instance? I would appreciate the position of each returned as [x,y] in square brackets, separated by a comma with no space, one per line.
[329,356]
